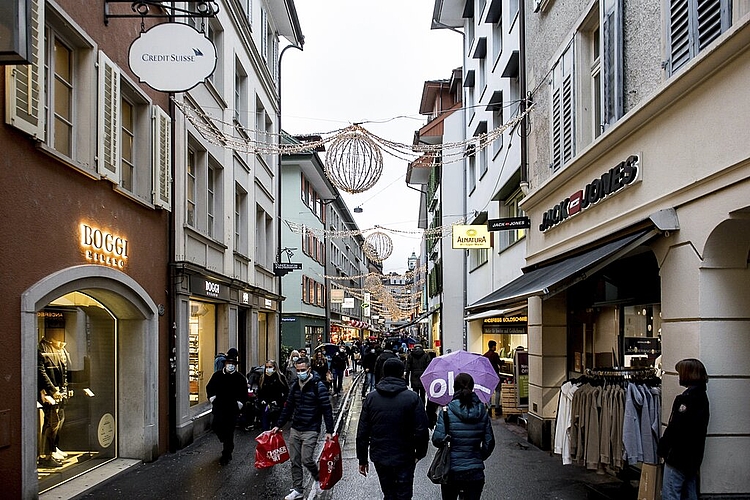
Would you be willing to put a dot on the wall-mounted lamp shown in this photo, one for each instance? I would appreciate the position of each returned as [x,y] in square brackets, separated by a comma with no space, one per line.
[358,210]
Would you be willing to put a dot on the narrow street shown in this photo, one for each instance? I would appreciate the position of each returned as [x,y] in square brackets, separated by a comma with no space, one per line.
[516,470]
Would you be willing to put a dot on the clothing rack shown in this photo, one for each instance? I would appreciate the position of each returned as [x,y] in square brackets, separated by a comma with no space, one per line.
[623,372]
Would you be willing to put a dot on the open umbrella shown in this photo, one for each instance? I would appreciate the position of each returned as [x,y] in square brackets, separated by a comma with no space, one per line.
[438,378]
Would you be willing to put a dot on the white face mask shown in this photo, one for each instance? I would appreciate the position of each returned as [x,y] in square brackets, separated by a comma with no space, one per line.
[269,371]
[295,358]
[230,368]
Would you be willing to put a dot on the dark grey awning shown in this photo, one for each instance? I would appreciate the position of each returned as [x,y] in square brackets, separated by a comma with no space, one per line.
[417,319]
[554,278]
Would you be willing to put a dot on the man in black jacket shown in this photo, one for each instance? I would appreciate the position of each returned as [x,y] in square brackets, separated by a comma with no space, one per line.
[307,404]
[384,356]
[416,364]
[393,425]
[227,391]
[369,358]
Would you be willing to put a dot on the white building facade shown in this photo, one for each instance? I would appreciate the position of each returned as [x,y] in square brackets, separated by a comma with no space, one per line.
[226,203]
[491,173]
[638,197]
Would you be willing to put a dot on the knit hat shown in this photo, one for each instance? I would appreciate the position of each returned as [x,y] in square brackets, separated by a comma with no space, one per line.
[232,356]
[393,367]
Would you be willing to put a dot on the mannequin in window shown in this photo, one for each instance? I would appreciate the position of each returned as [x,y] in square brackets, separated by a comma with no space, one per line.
[53,364]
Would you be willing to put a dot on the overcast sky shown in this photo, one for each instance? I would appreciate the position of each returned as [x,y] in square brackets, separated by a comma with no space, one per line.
[367,62]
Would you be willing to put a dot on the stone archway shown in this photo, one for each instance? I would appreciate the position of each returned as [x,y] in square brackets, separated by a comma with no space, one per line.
[137,316]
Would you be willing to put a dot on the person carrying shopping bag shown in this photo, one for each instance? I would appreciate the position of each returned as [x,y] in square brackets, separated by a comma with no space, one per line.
[307,405]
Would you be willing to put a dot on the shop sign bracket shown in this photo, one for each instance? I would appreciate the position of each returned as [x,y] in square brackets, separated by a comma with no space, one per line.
[159,10]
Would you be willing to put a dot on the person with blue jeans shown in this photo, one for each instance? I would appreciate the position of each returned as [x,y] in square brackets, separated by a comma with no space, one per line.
[369,359]
[684,440]
[393,428]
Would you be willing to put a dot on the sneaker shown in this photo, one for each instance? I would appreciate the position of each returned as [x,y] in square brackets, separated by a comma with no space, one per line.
[317,489]
[58,456]
[293,495]
[60,452]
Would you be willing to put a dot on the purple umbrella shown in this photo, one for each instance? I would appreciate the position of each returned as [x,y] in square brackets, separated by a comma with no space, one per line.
[437,379]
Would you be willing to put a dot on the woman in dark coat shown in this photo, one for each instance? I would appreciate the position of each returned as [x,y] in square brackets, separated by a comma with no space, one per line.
[320,366]
[684,439]
[272,392]
[471,440]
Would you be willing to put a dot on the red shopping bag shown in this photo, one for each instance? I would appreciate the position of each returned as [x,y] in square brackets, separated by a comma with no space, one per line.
[331,468]
[271,450]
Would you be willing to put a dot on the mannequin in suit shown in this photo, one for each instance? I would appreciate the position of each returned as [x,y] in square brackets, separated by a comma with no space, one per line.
[53,366]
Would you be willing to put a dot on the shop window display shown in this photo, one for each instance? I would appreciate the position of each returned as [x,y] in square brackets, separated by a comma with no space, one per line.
[201,349]
[76,407]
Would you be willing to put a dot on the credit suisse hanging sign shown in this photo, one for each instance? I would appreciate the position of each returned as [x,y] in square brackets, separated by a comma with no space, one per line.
[172,57]
[614,180]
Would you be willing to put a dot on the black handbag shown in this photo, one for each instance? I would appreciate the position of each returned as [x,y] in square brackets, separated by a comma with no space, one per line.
[441,463]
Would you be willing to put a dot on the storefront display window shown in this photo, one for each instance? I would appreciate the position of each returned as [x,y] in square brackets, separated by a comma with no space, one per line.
[641,335]
[201,349]
[510,333]
[77,388]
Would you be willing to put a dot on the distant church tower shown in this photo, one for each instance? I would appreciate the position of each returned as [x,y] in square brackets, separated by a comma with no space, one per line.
[413,261]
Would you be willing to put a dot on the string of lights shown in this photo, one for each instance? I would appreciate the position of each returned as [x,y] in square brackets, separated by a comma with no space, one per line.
[264,142]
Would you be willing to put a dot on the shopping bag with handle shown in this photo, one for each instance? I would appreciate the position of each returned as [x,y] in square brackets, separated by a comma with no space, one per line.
[331,468]
[271,450]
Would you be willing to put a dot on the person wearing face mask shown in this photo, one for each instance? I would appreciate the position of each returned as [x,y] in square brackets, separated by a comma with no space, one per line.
[291,371]
[307,405]
[272,392]
[227,392]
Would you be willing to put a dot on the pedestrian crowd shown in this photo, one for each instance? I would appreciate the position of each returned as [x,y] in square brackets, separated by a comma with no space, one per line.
[399,418]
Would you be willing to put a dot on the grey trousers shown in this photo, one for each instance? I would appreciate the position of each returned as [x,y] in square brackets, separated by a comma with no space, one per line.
[301,450]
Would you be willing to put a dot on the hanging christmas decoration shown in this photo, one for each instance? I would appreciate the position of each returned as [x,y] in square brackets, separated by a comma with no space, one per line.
[373,283]
[354,162]
[378,246]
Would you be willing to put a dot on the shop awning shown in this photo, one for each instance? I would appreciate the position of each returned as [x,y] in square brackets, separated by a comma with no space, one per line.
[554,278]
[494,313]
[417,319]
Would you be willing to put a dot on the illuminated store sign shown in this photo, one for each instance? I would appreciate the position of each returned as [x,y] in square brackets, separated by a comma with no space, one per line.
[507,319]
[208,288]
[471,236]
[101,247]
[612,181]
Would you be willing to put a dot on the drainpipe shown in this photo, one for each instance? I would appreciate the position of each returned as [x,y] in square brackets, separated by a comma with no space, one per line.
[524,184]
[278,190]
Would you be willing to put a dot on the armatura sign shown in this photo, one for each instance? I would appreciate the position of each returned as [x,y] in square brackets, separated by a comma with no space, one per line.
[172,57]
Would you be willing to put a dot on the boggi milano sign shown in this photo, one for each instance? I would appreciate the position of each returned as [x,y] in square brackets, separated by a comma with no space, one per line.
[612,181]
[102,247]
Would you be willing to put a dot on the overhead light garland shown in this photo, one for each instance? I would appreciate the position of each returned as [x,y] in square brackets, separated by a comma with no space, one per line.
[354,144]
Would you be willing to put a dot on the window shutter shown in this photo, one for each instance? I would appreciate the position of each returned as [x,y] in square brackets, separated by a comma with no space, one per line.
[612,63]
[24,107]
[162,159]
[712,20]
[108,164]
[679,33]
[556,126]
[562,125]
[568,136]
[264,34]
